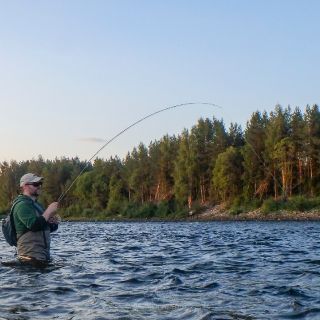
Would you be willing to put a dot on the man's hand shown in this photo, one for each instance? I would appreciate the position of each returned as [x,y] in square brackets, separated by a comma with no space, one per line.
[55,219]
[51,210]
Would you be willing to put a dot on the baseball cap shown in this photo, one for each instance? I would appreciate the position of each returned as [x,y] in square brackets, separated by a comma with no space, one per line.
[29,178]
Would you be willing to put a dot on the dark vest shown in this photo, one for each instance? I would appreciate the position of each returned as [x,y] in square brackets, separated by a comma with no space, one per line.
[35,245]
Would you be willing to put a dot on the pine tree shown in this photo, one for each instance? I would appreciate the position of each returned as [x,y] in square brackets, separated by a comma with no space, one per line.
[162,157]
[117,200]
[254,178]
[277,129]
[202,135]
[140,180]
[312,119]
[226,180]
[184,178]
[235,136]
[298,135]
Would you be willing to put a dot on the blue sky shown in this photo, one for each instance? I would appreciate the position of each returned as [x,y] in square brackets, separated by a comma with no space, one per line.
[75,70]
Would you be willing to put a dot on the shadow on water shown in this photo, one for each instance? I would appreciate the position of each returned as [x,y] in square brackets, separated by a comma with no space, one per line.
[34,267]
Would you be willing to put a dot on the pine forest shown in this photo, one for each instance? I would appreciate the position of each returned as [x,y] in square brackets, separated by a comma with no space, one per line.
[275,159]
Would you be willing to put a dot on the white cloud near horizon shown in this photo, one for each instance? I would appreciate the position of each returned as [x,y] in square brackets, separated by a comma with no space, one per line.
[92,139]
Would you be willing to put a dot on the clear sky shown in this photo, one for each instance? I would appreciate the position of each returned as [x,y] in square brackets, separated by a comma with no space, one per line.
[73,72]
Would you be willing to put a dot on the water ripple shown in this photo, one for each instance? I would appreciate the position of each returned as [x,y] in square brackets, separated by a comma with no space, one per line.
[217,270]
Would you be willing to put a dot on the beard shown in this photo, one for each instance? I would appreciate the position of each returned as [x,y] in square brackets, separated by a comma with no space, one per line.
[35,193]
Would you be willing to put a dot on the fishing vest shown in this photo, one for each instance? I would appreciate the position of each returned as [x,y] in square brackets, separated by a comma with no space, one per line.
[36,244]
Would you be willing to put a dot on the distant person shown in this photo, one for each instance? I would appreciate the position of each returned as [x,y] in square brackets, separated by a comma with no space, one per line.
[33,224]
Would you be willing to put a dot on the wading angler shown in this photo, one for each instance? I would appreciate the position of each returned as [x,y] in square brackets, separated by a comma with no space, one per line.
[33,224]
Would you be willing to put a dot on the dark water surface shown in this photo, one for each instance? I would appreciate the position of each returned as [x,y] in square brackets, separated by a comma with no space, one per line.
[217,270]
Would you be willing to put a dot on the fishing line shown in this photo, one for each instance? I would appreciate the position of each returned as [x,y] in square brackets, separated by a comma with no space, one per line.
[63,194]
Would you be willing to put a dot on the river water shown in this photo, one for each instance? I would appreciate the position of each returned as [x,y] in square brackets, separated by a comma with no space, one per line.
[208,270]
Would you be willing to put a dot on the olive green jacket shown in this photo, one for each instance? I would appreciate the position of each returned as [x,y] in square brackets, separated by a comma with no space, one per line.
[25,214]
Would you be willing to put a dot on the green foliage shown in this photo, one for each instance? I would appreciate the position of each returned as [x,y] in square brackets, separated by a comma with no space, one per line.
[73,210]
[226,178]
[240,204]
[252,152]
[234,211]
[180,215]
[130,210]
[88,213]
[145,211]
[184,177]
[117,201]
[276,156]
[297,203]
[271,205]
[164,209]
[202,137]
[300,203]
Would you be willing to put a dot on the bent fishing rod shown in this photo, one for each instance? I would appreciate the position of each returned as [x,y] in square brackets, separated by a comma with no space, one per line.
[63,194]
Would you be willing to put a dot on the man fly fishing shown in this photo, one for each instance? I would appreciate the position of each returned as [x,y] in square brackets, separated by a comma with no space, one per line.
[33,224]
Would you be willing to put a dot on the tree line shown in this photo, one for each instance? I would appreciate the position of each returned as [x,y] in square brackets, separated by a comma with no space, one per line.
[276,156]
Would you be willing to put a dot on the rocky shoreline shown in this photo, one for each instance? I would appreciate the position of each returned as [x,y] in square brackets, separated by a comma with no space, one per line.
[219,213]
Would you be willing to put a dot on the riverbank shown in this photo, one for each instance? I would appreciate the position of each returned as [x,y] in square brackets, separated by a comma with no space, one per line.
[220,213]
[209,213]
[217,213]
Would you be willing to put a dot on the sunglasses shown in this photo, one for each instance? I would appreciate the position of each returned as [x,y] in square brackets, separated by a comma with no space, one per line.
[35,184]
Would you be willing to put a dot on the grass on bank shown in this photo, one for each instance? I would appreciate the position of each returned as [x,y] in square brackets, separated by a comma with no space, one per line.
[271,205]
[240,205]
[297,203]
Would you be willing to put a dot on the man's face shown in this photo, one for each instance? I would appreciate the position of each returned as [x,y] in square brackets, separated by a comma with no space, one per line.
[33,188]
